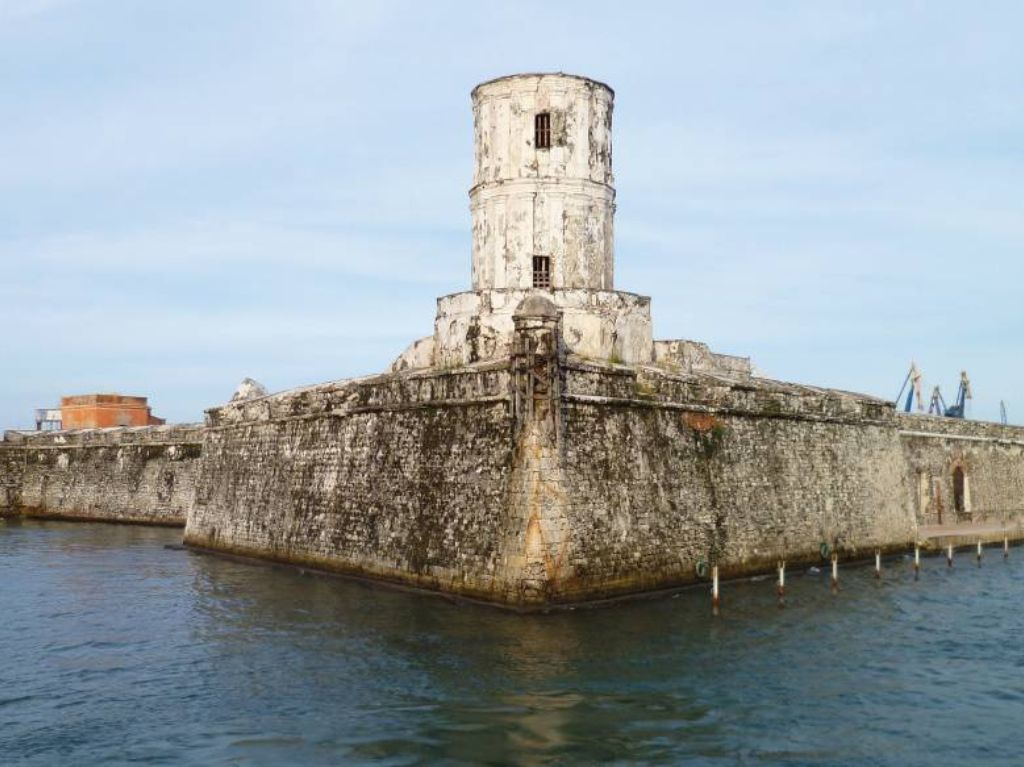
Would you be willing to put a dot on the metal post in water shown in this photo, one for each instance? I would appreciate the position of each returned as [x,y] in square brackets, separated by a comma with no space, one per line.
[917,561]
[835,571]
[1006,547]
[782,582]
[949,555]
[715,601]
[979,552]
[878,563]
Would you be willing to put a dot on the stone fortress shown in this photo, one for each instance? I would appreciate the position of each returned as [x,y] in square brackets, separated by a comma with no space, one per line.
[539,448]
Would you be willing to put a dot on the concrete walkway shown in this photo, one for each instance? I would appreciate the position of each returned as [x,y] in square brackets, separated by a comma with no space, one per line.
[969,533]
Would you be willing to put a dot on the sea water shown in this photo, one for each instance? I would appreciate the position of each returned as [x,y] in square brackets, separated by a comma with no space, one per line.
[115,649]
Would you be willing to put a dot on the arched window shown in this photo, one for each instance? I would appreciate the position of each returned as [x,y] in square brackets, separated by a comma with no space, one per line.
[959,491]
[542,130]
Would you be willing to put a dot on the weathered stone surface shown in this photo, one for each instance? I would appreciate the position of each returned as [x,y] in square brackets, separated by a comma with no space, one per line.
[12,470]
[419,354]
[684,356]
[556,203]
[989,456]
[667,471]
[140,474]
[400,477]
[249,389]
[605,325]
[542,479]
[548,479]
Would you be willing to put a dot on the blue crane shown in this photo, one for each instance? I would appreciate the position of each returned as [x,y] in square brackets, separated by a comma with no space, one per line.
[957,409]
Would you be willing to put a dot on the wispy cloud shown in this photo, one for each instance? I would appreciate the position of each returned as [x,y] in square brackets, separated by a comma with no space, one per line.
[192,192]
[13,10]
[225,247]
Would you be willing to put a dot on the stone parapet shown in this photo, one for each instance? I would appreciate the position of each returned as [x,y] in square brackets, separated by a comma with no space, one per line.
[695,357]
[551,480]
[411,389]
[477,326]
[143,474]
[170,434]
[765,398]
[959,428]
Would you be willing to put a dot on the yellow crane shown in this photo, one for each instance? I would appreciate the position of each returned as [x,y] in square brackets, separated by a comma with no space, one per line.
[913,379]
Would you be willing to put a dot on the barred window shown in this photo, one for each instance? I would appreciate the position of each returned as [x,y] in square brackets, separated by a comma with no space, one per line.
[542,130]
[542,271]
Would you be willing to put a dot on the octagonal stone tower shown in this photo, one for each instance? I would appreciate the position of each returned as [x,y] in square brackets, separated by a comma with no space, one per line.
[543,206]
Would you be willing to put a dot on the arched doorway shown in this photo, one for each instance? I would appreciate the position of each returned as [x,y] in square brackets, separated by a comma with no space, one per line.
[959,491]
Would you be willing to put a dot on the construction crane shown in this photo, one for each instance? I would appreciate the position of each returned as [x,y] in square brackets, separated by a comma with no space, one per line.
[956,410]
[914,380]
[963,393]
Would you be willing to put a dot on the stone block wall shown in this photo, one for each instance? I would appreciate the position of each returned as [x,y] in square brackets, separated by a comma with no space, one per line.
[12,467]
[477,326]
[537,480]
[616,479]
[404,478]
[684,356]
[988,457]
[663,473]
[142,474]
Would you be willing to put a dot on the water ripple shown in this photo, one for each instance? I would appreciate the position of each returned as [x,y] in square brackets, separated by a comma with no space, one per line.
[118,650]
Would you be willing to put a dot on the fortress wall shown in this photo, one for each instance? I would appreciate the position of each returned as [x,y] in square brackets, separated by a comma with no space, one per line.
[662,472]
[405,478]
[141,474]
[12,466]
[991,457]
[622,482]
[433,479]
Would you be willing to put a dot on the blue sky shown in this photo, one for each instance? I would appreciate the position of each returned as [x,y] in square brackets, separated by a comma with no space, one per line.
[194,192]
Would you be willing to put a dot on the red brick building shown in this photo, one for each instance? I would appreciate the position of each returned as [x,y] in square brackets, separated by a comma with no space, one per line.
[89,411]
